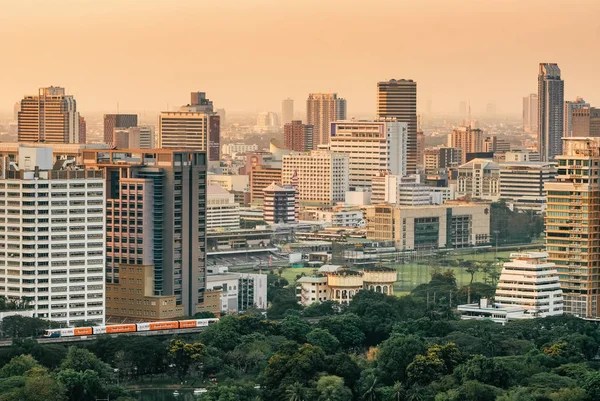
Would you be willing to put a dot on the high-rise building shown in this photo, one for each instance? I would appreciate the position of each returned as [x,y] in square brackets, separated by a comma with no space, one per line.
[420,148]
[194,127]
[298,136]
[222,113]
[550,111]
[156,215]
[53,238]
[117,121]
[530,113]
[322,176]
[398,99]
[570,108]
[585,122]
[82,130]
[467,139]
[50,117]
[371,146]
[287,111]
[573,225]
[280,204]
[222,212]
[267,121]
[261,177]
[321,110]
[134,137]
[479,179]
[16,110]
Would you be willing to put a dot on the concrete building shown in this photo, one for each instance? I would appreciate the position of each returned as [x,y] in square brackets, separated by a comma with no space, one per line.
[297,136]
[479,178]
[82,130]
[550,111]
[260,178]
[194,127]
[156,208]
[280,204]
[420,148]
[51,116]
[523,183]
[114,122]
[467,139]
[397,98]
[521,156]
[267,122]
[287,111]
[372,147]
[585,122]
[570,108]
[230,182]
[339,217]
[234,148]
[399,190]
[452,225]
[321,110]
[530,113]
[322,176]
[239,291]
[442,158]
[572,226]
[134,137]
[222,212]
[358,197]
[53,240]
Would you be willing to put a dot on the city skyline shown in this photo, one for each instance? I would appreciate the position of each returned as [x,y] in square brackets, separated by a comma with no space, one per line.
[99,82]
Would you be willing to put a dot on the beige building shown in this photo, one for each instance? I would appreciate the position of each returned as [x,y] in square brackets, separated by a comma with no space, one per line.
[452,225]
[134,137]
[466,138]
[585,122]
[322,176]
[222,212]
[260,178]
[573,225]
[321,110]
[479,179]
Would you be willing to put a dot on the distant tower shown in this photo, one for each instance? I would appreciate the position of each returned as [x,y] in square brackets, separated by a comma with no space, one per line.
[530,113]
[570,107]
[114,122]
[287,111]
[550,111]
[82,130]
[321,110]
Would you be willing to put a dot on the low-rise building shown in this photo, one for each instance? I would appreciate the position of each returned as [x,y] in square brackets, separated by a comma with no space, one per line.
[280,204]
[399,190]
[479,179]
[239,291]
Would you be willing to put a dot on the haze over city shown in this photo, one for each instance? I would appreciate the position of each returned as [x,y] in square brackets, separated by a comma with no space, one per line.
[248,55]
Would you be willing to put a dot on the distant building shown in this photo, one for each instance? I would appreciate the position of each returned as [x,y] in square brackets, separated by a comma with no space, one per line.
[260,178]
[297,136]
[442,158]
[234,148]
[134,138]
[338,217]
[239,291]
[530,113]
[399,190]
[420,148]
[51,116]
[82,130]
[521,156]
[321,110]
[267,121]
[467,139]
[550,111]
[523,184]
[570,108]
[585,122]
[113,122]
[222,212]
[231,183]
[479,178]
[280,204]
[287,111]
[222,113]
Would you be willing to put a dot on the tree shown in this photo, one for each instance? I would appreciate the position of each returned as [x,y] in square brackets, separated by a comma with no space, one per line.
[43,388]
[224,335]
[81,385]
[296,392]
[324,339]
[346,328]
[185,355]
[369,385]
[485,370]
[283,300]
[395,354]
[332,388]
[204,315]
[294,328]
[18,366]
[80,360]
[325,308]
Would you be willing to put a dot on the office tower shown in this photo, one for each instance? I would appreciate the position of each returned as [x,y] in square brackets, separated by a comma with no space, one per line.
[550,111]
[489,144]
[117,121]
[222,212]
[467,139]
[222,113]
[280,204]
[572,226]
[585,122]
[570,108]
[82,130]
[287,111]
[261,177]
[371,146]
[194,127]
[53,237]
[134,137]
[50,117]
[298,136]
[523,183]
[398,99]
[530,113]
[321,110]
[156,215]
[322,176]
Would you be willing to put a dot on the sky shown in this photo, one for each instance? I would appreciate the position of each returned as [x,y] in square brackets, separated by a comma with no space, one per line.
[248,55]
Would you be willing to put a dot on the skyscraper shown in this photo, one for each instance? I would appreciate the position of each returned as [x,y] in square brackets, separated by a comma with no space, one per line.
[298,136]
[530,113]
[398,99]
[321,110]
[49,117]
[194,127]
[287,111]
[117,121]
[550,111]
[570,108]
[82,130]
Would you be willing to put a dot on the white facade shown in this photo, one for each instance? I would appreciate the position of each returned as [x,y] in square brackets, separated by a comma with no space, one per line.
[341,218]
[53,242]
[222,212]
[521,156]
[358,197]
[234,148]
[531,282]
[322,175]
[399,190]
[228,284]
[312,289]
[525,180]
[372,147]
[240,291]
[479,178]
[230,182]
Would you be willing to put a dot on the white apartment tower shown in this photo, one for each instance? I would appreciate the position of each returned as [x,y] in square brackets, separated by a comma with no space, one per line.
[372,147]
[52,252]
[322,176]
[531,282]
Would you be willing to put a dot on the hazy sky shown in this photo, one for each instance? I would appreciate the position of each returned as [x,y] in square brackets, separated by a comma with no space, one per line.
[249,54]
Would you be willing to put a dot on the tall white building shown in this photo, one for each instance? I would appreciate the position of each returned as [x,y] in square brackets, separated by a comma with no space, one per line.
[267,122]
[531,282]
[222,212]
[52,251]
[322,176]
[372,147]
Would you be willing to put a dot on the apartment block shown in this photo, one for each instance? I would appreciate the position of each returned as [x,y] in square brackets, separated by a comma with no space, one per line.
[467,139]
[222,212]
[260,178]
[134,137]
[399,190]
[297,136]
[114,122]
[321,110]
[280,204]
